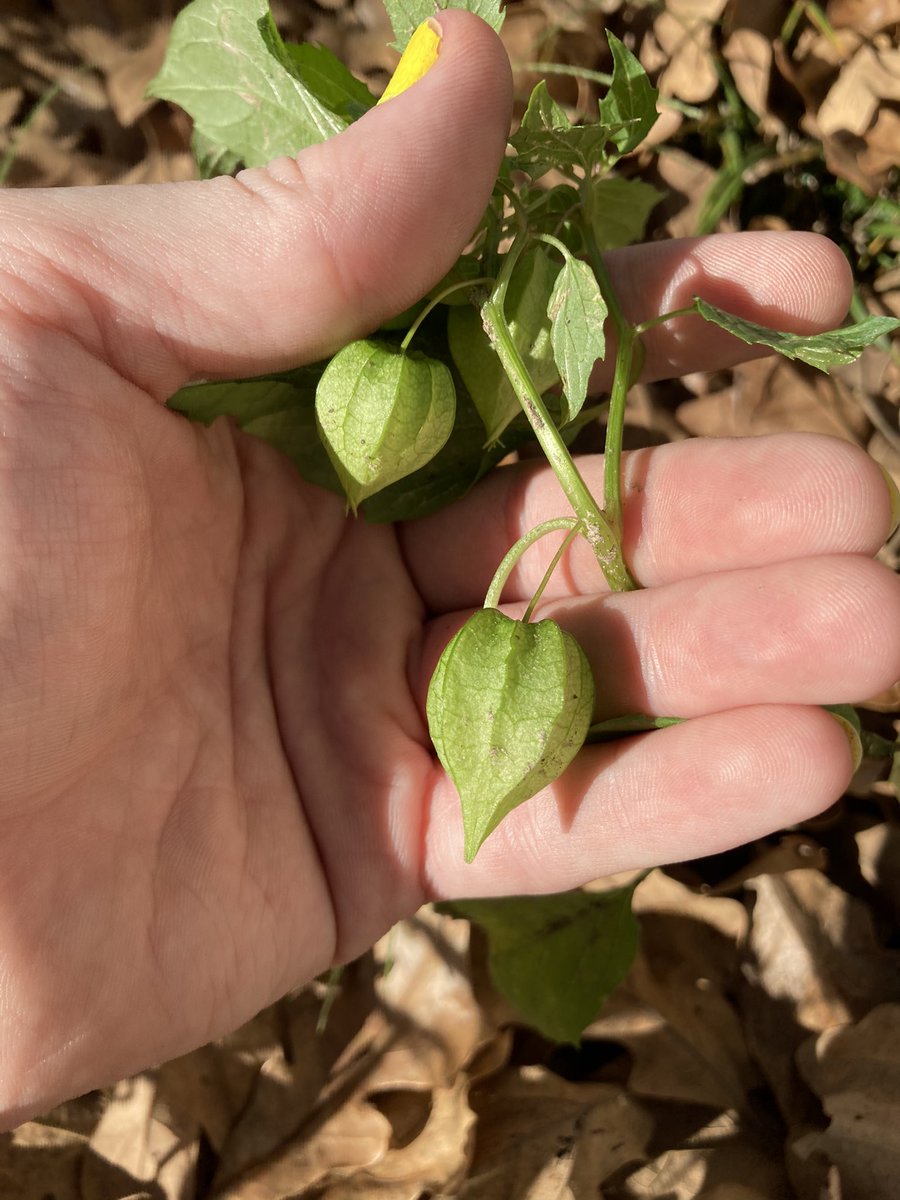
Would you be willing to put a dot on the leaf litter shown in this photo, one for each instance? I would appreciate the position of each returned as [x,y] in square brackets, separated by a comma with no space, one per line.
[752,1051]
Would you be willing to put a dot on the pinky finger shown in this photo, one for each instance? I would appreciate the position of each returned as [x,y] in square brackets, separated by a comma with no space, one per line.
[692,789]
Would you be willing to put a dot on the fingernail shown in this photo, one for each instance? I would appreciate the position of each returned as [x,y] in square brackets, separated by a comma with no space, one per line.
[894,493]
[417,59]
[852,737]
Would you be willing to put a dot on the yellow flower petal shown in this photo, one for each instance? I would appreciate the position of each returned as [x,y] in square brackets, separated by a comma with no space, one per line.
[417,59]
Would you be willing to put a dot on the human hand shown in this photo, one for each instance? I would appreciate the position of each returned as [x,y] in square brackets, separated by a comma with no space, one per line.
[217,779]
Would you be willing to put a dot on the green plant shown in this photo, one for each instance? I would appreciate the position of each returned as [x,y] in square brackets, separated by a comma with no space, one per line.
[500,353]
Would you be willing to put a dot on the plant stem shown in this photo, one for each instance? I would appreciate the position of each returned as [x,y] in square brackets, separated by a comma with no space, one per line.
[615,428]
[594,526]
[687,311]
[627,351]
[15,141]
[435,301]
[554,563]
[512,556]
[604,79]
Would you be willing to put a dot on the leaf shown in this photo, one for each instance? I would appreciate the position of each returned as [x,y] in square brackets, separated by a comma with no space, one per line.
[280,409]
[620,209]
[382,414]
[546,138]
[508,708]
[854,1069]
[407,15]
[330,81]
[616,727]
[527,298]
[630,102]
[211,158]
[556,958]
[577,311]
[837,347]
[541,1137]
[556,211]
[227,66]
[243,399]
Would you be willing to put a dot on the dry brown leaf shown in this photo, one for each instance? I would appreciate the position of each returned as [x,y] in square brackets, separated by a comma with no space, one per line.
[814,950]
[351,1138]
[851,104]
[673,1011]
[721,1161]
[855,1071]
[37,1160]
[794,851]
[132,1136]
[687,180]
[813,962]
[682,39]
[749,54]
[882,152]
[427,995]
[813,63]
[383,1101]
[539,1136]
[435,1160]
[10,99]
[868,17]
[771,395]
[128,62]
[879,863]
[214,1083]
[764,16]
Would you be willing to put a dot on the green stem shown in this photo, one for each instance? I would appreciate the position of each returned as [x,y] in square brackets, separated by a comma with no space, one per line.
[512,556]
[605,79]
[595,527]
[687,311]
[435,301]
[15,141]
[615,429]
[628,350]
[554,563]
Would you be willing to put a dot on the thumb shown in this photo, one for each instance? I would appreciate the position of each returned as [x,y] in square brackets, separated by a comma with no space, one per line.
[281,264]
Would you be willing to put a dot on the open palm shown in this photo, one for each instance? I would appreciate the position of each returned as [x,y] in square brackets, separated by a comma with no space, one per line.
[217,779]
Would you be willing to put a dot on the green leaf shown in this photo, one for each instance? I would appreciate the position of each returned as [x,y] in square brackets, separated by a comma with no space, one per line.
[630,102]
[407,15]
[556,211]
[244,399]
[557,958]
[382,414]
[546,138]
[620,209]
[329,80]
[617,727]
[577,311]
[837,347]
[508,708]
[228,68]
[280,409]
[527,298]
[211,158]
